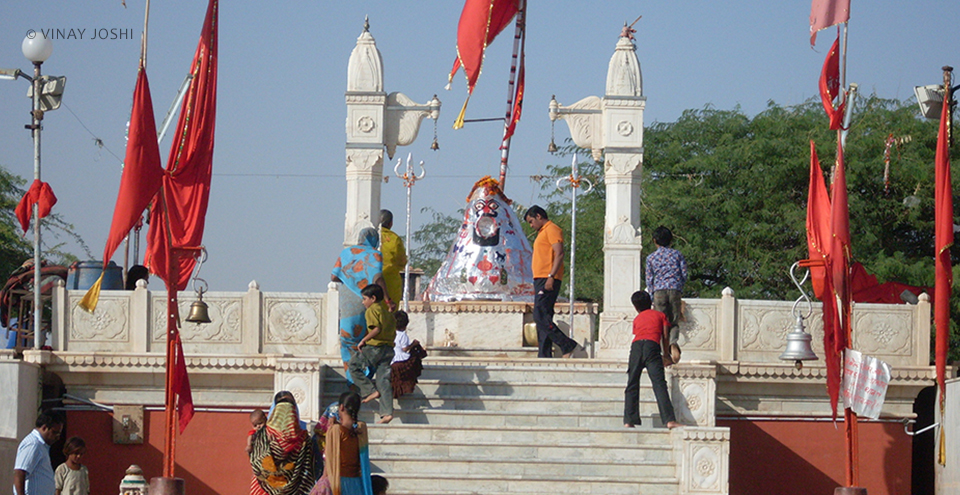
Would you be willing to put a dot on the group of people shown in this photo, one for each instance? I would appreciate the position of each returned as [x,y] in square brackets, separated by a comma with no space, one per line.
[655,327]
[288,458]
[33,472]
[373,340]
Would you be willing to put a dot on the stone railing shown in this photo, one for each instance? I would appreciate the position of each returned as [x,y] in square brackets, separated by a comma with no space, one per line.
[728,329]
[305,324]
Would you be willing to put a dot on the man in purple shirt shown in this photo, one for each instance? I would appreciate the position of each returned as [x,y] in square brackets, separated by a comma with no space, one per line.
[666,274]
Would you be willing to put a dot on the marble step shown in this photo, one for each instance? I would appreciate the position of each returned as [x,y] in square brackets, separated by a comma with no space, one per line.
[556,419]
[502,484]
[524,468]
[616,436]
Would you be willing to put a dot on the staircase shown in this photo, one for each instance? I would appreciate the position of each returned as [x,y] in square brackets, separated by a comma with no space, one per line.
[521,425]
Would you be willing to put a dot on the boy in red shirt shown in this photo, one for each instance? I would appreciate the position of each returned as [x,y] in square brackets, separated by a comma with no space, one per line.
[649,331]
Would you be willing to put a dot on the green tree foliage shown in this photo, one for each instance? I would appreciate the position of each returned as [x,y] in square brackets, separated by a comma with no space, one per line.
[734,190]
[14,247]
[432,241]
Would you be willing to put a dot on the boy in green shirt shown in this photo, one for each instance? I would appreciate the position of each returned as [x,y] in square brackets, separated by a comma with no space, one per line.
[375,350]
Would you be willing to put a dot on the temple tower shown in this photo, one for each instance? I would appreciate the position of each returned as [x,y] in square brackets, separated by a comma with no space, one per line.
[375,121]
[612,127]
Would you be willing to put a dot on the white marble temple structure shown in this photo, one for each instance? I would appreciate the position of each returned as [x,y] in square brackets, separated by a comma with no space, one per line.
[612,127]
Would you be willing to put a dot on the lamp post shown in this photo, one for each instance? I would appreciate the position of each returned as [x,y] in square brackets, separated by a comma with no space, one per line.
[45,94]
[37,49]
[575,180]
[409,178]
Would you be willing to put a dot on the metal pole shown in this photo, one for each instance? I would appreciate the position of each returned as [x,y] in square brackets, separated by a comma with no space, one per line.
[35,127]
[505,145]
[574,179]
[409,178]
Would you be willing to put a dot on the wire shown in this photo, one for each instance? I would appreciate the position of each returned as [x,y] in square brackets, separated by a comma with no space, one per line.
[96,140]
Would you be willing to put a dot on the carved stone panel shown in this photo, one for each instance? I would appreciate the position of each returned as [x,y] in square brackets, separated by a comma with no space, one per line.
[619,334]
[292,321]
[108,323]
[225,313]
[705,461]
[698,327]
[881,332]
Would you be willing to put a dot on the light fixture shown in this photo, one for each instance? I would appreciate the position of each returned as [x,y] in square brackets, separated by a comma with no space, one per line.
[930,99]
[36,47]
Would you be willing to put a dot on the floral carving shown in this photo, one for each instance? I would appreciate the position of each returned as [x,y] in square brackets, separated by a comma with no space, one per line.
[108,322]
[292,321]
[617,336]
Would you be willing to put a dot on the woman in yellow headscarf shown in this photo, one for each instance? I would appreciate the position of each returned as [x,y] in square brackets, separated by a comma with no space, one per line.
[394,258]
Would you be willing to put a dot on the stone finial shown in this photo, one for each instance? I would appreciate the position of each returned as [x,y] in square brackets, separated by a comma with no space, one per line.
[623,73]
[366,24]
[365,68]
[253,285]
[133,483]
[141,284]
[727,292]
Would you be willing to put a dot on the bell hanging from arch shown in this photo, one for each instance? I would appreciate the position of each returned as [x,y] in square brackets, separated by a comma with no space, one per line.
[798,346]
[199,311]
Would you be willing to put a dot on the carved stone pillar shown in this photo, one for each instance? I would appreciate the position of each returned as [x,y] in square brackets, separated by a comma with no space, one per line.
[612,127]
[374,120]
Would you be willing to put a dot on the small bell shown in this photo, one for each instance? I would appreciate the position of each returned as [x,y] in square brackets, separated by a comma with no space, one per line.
[552,147]
[798,346]
[434,145]
[199,311]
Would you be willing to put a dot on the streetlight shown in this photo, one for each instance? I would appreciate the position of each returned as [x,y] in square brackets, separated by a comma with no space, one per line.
[45,93]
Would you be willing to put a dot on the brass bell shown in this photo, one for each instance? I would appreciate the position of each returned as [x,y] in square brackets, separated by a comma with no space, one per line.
[798,346]
[199,311]
[552,147]
[435,145]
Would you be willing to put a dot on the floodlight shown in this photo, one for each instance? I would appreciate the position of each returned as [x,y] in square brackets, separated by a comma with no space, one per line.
[930,99]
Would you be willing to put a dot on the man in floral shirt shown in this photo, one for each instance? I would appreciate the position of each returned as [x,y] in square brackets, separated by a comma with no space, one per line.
[666,274]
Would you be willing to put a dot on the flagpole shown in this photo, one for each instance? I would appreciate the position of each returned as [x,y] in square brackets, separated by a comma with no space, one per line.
[143,37]
[173,311]
[505,146]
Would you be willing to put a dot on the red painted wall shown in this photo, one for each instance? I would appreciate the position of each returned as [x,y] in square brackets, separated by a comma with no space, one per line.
[211,449]
[808,458]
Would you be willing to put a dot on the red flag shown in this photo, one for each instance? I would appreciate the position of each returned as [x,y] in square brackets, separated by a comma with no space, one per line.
[836,336]
[943,198]
[818,225]
[40,193]
[181,386]
[480,22]
[186,184]
[830,86]
[826,13]
[142,172]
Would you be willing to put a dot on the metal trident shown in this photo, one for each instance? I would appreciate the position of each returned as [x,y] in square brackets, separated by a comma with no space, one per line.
[409,178]
[575,180]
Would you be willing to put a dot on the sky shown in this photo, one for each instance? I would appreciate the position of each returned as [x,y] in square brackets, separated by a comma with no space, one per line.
[277,198]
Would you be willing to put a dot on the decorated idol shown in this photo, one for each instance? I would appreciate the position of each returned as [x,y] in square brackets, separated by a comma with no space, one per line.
[490,259]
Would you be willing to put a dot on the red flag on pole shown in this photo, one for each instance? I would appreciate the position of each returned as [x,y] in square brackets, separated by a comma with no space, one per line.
[830,86]
[943,198]
[181,387]
[480,22]
[40,193]
[140,181]
[190,164]
[826,13]
[818,225]
[836,303]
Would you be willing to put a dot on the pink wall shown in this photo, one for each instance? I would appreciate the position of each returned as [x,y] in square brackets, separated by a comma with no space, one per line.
[211,449]
[808,458]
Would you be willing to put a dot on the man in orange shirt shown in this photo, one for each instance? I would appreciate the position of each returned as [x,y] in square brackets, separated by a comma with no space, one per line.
[547,274]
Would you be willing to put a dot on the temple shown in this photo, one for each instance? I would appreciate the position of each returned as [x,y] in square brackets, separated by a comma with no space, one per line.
[488,416]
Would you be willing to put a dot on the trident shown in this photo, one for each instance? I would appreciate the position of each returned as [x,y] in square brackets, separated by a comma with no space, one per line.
[409,179]
[575,180]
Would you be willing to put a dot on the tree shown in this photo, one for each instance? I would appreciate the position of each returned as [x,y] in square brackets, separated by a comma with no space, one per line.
[432,241]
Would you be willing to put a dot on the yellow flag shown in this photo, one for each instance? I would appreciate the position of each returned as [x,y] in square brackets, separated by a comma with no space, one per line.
[458,124]
[92,297]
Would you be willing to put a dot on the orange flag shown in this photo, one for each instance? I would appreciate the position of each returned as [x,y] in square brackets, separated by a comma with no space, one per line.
[830,86]
[836,314]
[480,22]
[943,198]
[818,224]
[139,182]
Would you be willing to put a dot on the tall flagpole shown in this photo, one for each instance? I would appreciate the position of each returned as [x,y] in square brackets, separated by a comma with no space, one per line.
[505,146]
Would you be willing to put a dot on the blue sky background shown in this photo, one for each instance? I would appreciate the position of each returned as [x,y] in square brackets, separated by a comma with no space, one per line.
[277,201]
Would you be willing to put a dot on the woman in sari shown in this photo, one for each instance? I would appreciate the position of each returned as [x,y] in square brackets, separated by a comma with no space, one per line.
[357,267]
[281,455]
[346,454]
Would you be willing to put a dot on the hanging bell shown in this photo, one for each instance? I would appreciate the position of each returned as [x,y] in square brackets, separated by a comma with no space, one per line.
[434,145]
[199,311]
[798,346]
[552,147]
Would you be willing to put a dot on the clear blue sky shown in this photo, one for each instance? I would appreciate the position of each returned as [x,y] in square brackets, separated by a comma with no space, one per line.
[277,200]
